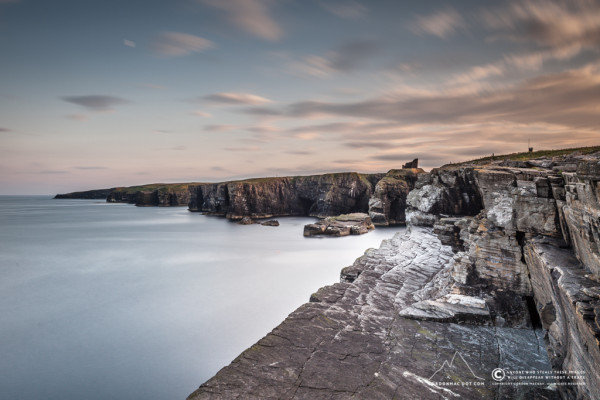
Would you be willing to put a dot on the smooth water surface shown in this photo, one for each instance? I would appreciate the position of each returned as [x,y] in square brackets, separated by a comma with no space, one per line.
[112,301]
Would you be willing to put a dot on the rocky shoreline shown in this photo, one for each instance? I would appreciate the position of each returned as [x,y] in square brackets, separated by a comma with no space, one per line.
[498,272]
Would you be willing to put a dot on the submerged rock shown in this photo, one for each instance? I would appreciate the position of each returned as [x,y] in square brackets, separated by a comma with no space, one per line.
[342,225]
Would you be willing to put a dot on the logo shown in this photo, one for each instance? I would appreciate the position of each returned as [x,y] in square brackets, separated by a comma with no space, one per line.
[498,374]
[452,365]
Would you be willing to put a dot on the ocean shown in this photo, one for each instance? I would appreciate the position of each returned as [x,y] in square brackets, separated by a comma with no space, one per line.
[113,301]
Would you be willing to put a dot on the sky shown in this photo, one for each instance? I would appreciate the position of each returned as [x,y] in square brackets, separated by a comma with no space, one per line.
[97,94]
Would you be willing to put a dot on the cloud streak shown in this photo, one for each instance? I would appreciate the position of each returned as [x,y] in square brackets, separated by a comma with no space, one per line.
[96,102]
[230,98]
[348,57]
[554,24]
[345,9]
[250,16]
[176,44]
[540,100]
[442,24]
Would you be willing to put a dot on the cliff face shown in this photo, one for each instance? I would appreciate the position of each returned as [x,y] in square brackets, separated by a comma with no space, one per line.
[162,195]
[381,195]
[387,205]
[504,254]
[316,195]
[514,254]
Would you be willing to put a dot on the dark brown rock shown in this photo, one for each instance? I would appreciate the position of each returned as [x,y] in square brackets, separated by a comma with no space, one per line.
[412,164]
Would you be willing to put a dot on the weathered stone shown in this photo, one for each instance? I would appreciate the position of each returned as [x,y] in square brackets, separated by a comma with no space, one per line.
[342,225]
[388,203]
[499,263]
[351,342]
[568,313]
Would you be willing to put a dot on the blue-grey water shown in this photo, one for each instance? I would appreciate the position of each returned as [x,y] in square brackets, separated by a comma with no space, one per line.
[112,301]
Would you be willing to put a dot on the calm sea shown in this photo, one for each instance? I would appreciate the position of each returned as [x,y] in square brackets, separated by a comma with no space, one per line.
[111,301]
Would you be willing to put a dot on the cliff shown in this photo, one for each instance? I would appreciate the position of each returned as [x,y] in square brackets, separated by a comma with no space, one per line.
[156,194]
[88,194]
[314,195]
[382,196]
[499,271]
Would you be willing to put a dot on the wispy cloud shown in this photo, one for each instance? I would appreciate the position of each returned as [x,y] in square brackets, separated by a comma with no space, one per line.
[542,99]
[549,23]
[251,16]
[96,102]
[350,56]
[348,9]
[5,130]
[129,43]
[442,23]
[236,98]
[220,128]
[174,44]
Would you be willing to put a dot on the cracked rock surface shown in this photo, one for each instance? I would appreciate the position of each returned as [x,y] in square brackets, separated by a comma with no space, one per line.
[350,341]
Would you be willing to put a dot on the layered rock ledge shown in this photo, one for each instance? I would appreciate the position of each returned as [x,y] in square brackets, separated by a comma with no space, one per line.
[350,341]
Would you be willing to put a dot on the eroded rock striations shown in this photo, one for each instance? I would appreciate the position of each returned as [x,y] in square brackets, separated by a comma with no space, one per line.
[350,341]
[500,268]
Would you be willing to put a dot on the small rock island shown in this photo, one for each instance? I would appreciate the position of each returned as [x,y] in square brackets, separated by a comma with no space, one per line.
[342,225]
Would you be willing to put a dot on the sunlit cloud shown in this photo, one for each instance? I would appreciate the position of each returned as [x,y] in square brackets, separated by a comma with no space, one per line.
[441,24]
[129,43]
[96,102]
[236,98]
[542,99]
[174,44]
[250,16]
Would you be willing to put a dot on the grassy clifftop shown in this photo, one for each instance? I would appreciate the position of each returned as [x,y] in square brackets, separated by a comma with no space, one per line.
[528,156]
